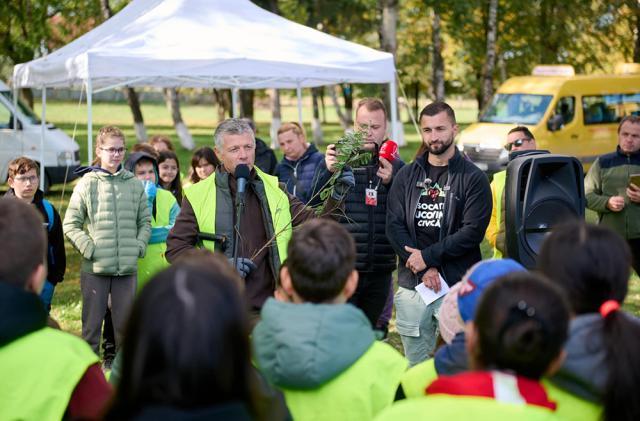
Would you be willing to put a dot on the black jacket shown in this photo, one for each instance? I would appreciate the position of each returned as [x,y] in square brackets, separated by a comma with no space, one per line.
[56,255]
[265,157]
[367,223]
[467,211]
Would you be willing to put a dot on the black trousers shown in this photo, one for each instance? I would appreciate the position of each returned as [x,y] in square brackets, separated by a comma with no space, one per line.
[371,294]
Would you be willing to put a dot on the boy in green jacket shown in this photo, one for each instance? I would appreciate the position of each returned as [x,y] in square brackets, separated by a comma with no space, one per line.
[319,350]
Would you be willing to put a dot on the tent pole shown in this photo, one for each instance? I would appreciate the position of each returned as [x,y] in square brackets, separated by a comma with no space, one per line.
[394,110]
[299,93]
[89,121]
[15,116]
[234,103]
[43,131]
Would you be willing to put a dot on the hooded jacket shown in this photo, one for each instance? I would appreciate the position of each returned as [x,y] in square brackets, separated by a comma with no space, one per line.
[114,209]
[325,358]
[299,175]
[467,211]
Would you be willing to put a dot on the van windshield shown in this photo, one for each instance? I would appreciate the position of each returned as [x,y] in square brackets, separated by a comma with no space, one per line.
[516,108]
[24,109]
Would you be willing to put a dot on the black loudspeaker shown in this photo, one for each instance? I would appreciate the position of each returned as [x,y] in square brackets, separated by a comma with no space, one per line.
[540,191]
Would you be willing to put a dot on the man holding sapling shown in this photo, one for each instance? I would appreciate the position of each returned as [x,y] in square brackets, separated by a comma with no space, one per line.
[612,186]
[366,207]
[208,213]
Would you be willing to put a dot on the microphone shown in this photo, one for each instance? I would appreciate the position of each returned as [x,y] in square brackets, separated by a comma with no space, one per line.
[242,175]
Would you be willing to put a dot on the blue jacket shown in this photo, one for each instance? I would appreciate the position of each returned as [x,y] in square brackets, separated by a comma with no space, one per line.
[298,175]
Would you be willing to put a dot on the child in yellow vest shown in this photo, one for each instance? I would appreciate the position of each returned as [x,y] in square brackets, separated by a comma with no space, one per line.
[163,208]
[516,337]
[319,350]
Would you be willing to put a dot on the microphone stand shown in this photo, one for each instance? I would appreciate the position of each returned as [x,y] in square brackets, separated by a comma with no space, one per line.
[236,228]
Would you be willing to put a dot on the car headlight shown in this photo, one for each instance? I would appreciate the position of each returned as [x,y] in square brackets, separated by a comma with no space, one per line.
[65,158]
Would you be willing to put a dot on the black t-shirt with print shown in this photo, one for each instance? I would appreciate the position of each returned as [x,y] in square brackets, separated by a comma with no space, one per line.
[430,207]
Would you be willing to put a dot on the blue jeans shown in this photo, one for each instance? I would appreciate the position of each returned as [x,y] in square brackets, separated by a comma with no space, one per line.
[47,295]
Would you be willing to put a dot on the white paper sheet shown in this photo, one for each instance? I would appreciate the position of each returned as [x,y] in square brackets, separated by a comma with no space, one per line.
[428,295]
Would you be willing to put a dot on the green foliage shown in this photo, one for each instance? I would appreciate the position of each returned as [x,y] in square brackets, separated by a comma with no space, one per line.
[349,153]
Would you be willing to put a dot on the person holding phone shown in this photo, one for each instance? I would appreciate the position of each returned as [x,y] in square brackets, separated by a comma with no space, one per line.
[611,186]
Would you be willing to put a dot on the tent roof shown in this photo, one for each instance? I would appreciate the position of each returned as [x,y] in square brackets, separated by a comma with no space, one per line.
[205,43]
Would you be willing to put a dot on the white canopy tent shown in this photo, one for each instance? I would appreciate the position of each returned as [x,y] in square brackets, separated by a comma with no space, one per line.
[208,44]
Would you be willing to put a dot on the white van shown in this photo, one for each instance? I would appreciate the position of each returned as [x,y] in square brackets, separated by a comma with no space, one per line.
[61,153]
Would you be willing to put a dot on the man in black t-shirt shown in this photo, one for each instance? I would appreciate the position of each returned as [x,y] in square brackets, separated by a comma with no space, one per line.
[438,210]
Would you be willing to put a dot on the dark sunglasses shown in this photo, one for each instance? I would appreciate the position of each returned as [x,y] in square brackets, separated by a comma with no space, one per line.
[517,143]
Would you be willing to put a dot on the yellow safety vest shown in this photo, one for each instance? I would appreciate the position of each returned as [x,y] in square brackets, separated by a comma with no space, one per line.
[39,373]
[571,407]
[499,179]
[449,407]
[202,197]
[154,260]
[416,379]
[359,393]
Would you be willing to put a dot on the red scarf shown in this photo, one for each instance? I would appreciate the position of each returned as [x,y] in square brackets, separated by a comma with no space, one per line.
[498,385]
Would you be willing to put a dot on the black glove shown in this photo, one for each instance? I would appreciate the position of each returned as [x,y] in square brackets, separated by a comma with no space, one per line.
[244,266]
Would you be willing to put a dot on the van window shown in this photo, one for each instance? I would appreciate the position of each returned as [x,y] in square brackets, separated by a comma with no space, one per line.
[566,107]
[24,108]
[516,108]
[602,109]
[5,117]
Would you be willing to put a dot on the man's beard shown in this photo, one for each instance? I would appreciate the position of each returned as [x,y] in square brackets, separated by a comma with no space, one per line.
[440,148]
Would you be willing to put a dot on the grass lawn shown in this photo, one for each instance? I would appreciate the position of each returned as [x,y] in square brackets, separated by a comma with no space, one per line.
[201,120]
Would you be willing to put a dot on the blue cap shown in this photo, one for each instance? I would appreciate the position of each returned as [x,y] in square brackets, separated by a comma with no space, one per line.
[479,277]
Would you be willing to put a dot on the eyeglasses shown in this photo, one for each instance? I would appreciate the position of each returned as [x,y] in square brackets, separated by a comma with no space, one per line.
[23,179]
[113,151]
[517,143]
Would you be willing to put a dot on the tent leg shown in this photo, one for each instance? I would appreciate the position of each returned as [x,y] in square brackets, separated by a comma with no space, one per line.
[43,132]
[15,116]
[394,110]
[234,103]
[89,121]
[299,94]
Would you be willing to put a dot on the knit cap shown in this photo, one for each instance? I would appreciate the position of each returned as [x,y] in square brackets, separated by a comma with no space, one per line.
[478,278]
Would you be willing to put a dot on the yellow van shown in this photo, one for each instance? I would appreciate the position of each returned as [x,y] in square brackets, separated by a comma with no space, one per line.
[568,114]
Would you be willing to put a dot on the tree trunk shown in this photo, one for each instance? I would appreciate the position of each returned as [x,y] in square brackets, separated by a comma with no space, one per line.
[416,96]
[438,62]
[316,127]
[138,122]
[344,120]
[276,118]
[389,43]
[173,104]
[490,60]
[27,96]
[347,95]
[246,103]
[322,105]
[223,99]
[129,93]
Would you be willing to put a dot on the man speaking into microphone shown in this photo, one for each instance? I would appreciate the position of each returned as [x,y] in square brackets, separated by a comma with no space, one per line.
[243,212]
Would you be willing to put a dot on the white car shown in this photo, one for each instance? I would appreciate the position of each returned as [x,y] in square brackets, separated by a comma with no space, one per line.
[61,153]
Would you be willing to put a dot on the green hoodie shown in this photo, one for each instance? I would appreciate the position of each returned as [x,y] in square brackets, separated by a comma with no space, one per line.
[118,223]
[325,359]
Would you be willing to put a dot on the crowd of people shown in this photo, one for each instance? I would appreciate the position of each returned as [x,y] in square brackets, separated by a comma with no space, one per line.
[226,294]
